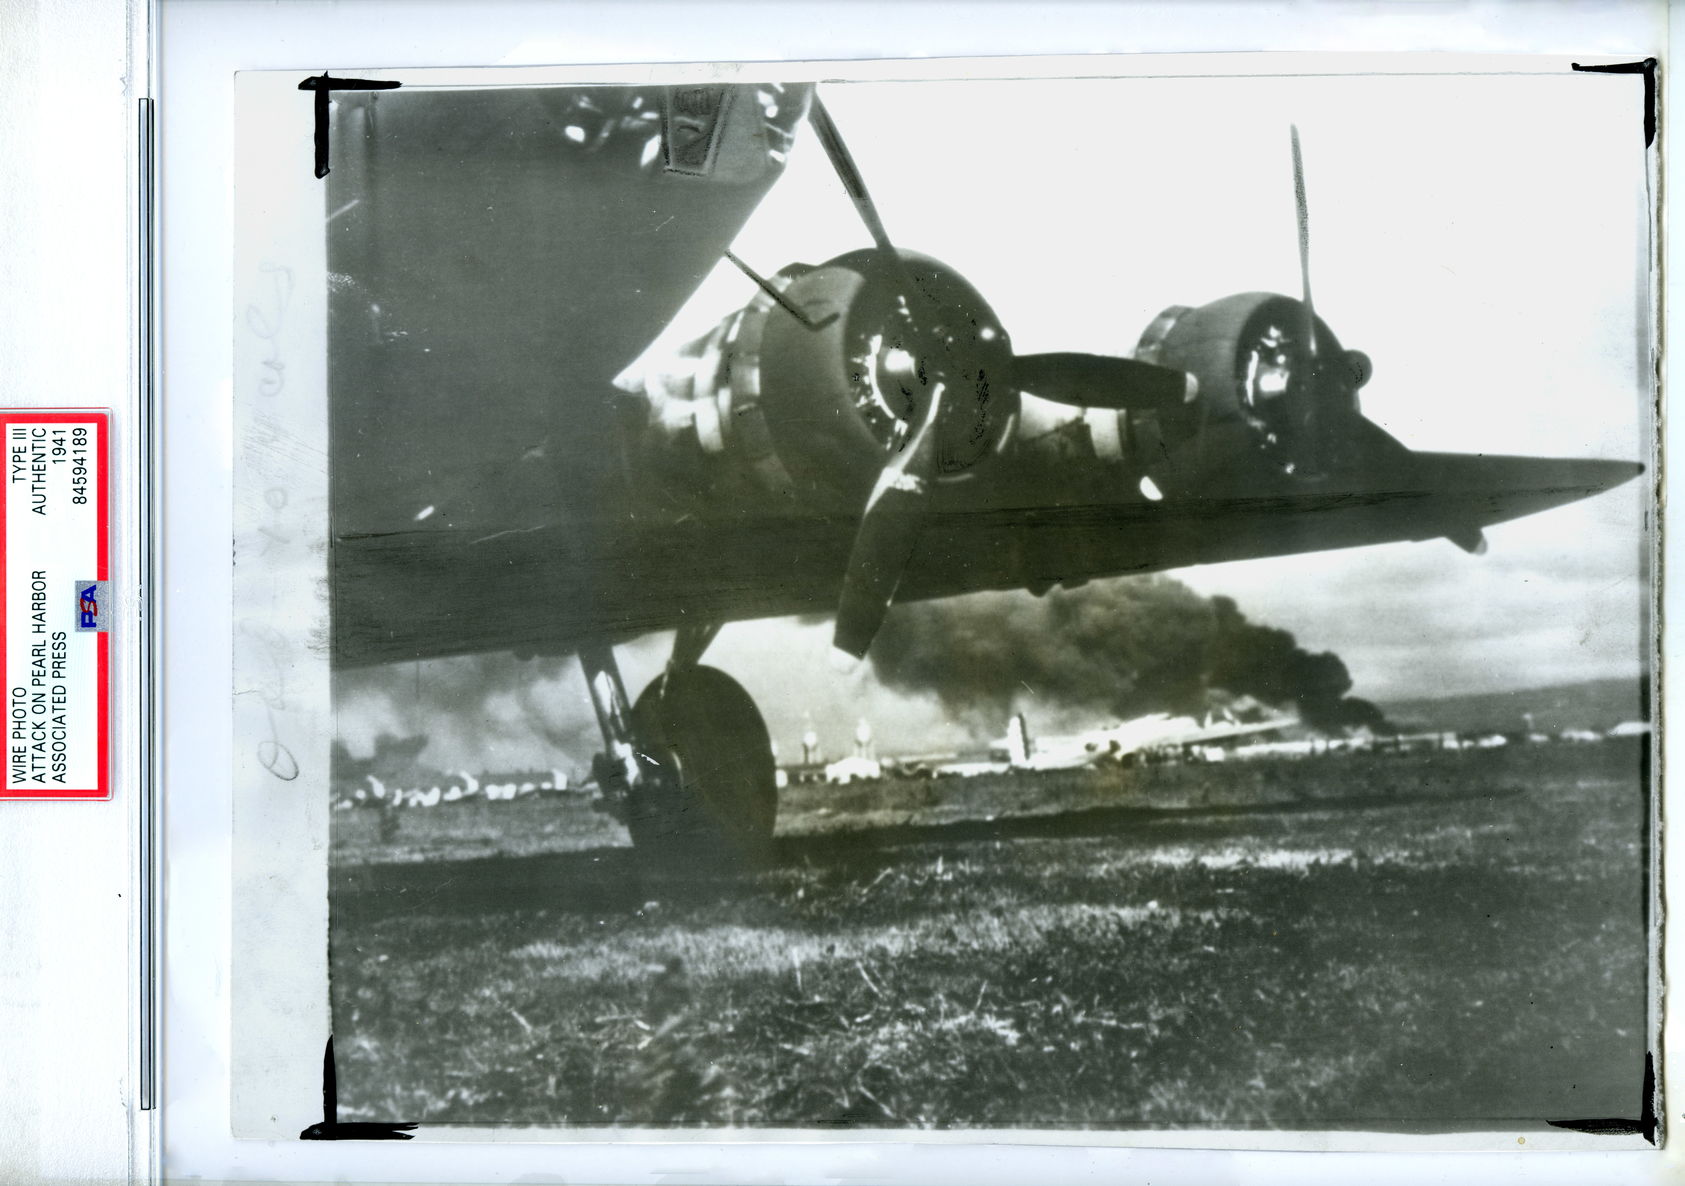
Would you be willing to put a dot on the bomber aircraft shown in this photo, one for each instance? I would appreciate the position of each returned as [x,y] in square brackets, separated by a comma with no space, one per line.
[861,432]
[1155,732]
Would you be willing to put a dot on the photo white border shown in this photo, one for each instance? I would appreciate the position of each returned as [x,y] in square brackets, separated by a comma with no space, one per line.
[198,285]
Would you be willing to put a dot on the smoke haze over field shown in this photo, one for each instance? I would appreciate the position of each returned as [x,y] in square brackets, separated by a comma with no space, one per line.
[477,711]
[942,675]
[1118,648]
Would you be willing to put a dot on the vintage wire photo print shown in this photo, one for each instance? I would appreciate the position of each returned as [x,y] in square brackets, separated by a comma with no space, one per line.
[1080,600]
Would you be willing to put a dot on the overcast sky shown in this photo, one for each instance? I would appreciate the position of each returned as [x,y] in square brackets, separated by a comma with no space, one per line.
[1480,237]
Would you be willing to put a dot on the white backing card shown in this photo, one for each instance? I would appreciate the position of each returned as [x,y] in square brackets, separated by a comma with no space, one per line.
[298,958]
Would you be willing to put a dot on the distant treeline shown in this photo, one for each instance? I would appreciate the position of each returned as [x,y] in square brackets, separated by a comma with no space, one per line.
[1598,705]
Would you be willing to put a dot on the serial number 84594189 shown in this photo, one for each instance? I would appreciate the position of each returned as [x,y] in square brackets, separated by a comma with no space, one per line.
[79,466]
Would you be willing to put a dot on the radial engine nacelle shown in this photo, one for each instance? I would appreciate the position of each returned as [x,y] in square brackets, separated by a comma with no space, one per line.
[1272,378]
[827,373]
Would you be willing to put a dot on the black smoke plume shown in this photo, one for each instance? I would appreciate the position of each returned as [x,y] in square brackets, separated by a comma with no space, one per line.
[1123,648]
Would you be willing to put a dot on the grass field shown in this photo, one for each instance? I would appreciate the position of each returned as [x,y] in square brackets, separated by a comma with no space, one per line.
[1427,941]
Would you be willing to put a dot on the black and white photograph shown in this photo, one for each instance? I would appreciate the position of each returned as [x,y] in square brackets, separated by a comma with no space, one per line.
[1046,597]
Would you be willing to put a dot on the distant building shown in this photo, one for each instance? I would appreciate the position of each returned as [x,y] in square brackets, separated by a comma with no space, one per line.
[853,769]
[810,742]
[863,747]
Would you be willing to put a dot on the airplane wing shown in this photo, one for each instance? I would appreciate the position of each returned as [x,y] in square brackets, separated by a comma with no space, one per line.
[415,594]
[1420,496]
[1232,729]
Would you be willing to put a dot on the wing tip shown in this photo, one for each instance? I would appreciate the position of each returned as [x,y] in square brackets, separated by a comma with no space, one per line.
[1596,476]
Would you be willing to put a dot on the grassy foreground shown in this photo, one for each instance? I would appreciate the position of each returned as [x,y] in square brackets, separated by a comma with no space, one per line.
[1425,941]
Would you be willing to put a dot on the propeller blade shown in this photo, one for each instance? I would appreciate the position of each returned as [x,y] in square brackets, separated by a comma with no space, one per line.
[843,162]
[881,551]
[1330,389]
[1304,212]
[888,532]
[1102,381]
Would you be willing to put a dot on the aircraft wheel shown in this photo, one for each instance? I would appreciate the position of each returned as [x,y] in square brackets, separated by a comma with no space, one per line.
[709,796]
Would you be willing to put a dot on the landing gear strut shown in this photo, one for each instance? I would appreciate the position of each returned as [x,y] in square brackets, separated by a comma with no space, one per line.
[690,764]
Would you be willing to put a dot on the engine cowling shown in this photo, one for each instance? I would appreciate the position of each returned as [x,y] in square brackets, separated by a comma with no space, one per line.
[814,390]
[1265,385]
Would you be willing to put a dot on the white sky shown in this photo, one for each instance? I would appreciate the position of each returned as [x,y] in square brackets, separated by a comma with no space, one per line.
[1478,236]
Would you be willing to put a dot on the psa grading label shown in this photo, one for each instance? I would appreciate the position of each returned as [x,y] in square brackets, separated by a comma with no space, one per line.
[54,617]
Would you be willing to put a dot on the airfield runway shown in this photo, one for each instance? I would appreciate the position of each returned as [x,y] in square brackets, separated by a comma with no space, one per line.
[1430,941]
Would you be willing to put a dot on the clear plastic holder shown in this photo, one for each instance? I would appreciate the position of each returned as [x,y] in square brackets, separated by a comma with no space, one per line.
[346,957]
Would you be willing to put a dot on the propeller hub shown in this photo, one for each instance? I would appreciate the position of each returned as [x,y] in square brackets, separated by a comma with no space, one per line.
[899,392]
[1296,390]
[844,388]
[905,349]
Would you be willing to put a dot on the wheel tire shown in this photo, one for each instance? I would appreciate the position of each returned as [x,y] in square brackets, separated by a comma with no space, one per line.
[708,797]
